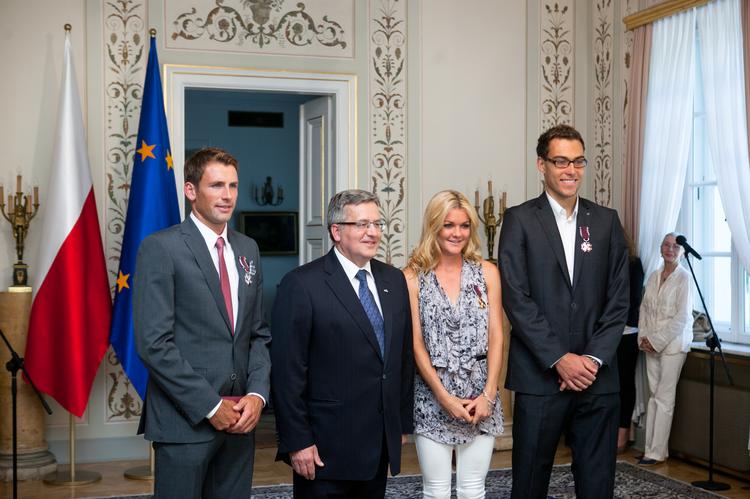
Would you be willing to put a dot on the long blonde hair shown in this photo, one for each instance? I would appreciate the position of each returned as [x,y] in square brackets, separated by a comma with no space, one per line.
[426,255]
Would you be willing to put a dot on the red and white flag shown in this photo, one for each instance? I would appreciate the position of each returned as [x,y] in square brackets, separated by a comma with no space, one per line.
[72,307]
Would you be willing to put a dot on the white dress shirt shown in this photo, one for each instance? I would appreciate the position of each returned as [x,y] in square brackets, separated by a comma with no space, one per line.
[210,237]
[566,225]
[351,269]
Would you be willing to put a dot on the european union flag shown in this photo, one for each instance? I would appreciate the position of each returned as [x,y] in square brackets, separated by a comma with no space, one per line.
[152,206]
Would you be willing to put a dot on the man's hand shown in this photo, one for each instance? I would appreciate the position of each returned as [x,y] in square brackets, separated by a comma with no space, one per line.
[225,417]
[576,372]
[305,460]
[249,407]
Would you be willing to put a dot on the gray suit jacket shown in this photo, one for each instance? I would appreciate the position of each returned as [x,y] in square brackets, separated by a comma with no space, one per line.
[183,334]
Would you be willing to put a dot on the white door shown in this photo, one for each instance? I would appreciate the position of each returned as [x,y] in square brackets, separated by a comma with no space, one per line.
[317,142]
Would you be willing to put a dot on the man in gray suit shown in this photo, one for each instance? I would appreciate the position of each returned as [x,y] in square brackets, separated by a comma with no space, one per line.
[199,329]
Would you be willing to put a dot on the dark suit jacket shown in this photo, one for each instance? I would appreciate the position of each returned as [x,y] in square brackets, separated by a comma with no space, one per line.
[330,385]
[549,316]
[183,334]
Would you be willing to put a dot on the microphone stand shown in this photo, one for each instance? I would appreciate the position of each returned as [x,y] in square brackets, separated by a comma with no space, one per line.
[713,342]
[14,365]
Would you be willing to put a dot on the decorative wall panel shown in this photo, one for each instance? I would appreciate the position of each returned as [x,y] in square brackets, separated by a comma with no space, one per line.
[313,28]
[387,121]
[125,56]
[625,43]
[603,36]
[556,64]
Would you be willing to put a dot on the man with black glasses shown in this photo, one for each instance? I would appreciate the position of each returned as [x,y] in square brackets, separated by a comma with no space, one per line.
[343,370]
[564,270]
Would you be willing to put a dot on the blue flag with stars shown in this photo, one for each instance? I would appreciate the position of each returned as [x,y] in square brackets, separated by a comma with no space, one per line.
[152,206]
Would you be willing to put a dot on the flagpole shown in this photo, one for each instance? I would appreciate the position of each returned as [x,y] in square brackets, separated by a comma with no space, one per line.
[144,472]
[72,478]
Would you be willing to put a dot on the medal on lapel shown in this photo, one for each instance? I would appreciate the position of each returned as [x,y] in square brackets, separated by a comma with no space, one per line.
[482,304]
[585,235]
[249,268]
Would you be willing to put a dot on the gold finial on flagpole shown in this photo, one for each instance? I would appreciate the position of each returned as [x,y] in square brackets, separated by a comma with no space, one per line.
[68,27]
[152,32]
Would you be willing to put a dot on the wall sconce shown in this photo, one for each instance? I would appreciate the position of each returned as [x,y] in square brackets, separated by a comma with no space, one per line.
[490,221]
[266,197]
[20,212]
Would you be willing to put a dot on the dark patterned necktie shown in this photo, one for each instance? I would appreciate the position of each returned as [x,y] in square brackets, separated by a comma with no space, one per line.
[224,281]
[371,309]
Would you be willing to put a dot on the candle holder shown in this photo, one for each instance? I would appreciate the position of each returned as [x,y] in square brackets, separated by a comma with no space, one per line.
[20,212]
[266,197]
[488,218]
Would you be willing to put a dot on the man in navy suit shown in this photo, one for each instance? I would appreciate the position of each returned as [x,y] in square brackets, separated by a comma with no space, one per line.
[564,269]
[343,371]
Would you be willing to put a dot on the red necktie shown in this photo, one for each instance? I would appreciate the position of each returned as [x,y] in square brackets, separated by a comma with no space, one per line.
[224,280]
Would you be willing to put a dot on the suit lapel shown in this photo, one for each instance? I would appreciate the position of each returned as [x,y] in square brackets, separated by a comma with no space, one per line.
[384,295]
[549,227]
[197,246]
[583,220]
[343,290]
[242,288]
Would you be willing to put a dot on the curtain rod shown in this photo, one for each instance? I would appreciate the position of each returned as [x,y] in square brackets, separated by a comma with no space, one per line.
[660,11]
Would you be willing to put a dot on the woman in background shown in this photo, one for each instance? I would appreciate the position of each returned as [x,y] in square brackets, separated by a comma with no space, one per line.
[456,317]
[665,330]
[627,351]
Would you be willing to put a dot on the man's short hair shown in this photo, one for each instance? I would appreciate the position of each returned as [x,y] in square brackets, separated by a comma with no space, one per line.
[335,213]
[565,132]
[196,164]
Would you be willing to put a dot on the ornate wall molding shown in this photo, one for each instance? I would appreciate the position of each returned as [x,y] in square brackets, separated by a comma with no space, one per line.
[262,26]
[603,37]
[556,64]
[387,119]
[125,56]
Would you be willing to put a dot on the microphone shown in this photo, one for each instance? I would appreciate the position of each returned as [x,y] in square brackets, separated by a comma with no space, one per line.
[688,249]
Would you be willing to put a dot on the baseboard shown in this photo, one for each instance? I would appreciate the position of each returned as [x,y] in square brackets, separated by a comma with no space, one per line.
[94,450]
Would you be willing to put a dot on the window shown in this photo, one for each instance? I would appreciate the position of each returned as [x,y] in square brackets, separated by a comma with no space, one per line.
[723,281]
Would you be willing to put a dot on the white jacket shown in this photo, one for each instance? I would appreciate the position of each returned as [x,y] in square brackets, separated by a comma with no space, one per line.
[666,317]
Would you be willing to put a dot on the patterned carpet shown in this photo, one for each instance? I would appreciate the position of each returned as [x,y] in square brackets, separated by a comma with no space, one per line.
[630,482]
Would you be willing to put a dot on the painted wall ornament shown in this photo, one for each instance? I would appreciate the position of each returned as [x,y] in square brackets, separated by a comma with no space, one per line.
[265,26]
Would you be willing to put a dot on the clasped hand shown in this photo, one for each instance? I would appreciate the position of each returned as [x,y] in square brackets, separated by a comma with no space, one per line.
[240,417]
[470,410]
[576,372]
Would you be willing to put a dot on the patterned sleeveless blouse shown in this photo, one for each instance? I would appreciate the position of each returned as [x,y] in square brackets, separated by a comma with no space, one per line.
[456,339]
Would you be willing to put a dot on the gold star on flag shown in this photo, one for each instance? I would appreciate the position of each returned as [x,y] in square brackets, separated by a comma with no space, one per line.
[122,281]
[170,162]
[146,151]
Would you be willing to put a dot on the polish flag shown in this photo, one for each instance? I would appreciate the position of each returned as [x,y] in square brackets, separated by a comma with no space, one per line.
[71,308]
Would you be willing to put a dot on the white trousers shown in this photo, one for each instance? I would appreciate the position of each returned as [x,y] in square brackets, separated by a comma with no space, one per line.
[472,464]
[663,373]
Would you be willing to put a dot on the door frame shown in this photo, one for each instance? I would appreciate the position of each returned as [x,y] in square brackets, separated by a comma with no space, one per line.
[340,86]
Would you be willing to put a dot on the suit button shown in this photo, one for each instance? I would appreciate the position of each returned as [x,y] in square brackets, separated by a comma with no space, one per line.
[573,305]
[384,376]
[233,376]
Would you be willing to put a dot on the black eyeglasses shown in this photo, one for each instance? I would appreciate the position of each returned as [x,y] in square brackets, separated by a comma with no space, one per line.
[364,224]
[561,162]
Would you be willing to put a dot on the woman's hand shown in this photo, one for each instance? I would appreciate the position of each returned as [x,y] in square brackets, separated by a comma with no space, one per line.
[646,346]
[456,407]
[480,408]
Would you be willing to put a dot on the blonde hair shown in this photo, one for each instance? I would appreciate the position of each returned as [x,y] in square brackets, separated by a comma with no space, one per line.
[426,255]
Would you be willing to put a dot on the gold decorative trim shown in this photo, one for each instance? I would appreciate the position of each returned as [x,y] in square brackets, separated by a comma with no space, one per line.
[660,11]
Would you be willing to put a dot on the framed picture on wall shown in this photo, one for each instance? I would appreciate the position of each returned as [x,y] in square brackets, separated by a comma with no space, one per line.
[275,232]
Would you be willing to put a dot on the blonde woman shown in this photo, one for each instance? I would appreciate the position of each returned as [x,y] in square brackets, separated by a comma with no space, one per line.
[665,330]
[455,306]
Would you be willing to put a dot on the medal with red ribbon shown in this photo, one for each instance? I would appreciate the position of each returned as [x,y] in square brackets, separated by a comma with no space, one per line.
[585,235]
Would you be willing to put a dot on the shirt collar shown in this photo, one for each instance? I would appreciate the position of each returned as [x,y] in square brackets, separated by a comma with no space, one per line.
[208,234]
[559,211]
[350,268]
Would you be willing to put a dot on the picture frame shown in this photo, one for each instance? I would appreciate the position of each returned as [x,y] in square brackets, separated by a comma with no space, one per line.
[276,232]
